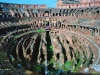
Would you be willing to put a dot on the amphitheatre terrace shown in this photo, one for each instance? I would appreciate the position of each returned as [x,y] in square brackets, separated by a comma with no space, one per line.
[37,40]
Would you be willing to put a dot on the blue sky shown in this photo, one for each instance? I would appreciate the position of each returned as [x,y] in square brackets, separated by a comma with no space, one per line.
[49,3]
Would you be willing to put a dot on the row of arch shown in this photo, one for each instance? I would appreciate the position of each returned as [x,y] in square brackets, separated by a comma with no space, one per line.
[19,13]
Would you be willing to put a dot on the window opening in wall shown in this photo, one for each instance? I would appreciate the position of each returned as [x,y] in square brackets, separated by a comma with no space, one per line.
[97,12]
[16,14]
[59,14]
[56,14]
[46,13]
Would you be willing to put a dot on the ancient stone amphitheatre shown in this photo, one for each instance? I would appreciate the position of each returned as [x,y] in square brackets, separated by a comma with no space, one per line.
[37,40]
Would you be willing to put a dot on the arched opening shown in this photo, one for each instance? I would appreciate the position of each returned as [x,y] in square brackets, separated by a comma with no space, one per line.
[97,12]
[33,14]
[46,13]
[53,14]
[59,23]
[16,15]
[56,14]
[59,14]
[28,13]
[36,14]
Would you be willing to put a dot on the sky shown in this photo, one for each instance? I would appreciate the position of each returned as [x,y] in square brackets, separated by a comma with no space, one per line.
[49,3]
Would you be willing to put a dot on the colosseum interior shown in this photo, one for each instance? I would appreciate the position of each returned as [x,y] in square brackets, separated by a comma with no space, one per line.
[38,40]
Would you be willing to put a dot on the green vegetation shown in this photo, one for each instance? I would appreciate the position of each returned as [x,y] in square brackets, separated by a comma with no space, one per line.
[67,66]
[43,63]
[2,55]
[18,36]
[78,65]
[40,30]
[36,68]
[51,61]
[50,48]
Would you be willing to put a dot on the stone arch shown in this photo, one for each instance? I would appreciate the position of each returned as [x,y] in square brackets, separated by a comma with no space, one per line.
[53,14]
[36,15]
[15,13]
[93,32]
[71,12]
[46,13]
[22,11]
[32,12]
[64,12]
[60,12]
[56,14]
[18,13]
[97,12]
[28,12]
[82,12]
[12,12]
[59,23]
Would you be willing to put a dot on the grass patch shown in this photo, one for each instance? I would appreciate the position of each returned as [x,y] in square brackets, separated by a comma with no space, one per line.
[40,30]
